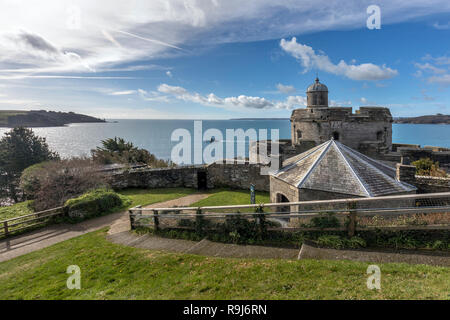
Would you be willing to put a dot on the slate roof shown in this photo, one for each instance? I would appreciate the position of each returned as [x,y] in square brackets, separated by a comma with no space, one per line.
[334,167]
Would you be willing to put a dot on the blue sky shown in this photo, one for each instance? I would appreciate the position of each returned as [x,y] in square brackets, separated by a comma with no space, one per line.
[213,59]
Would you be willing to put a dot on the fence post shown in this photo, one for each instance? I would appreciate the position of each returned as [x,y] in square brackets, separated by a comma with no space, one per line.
[132,220]
[5,225]
[259,217]
[156,219]
[351,219]
[199,221]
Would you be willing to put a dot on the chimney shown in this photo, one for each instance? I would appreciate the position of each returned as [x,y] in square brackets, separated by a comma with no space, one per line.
[406,173]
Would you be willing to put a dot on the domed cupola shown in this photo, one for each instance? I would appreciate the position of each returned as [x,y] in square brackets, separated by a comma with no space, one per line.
[317,95]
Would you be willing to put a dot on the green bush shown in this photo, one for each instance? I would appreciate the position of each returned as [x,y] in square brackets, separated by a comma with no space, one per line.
[331,241]
[337,242]
[95,203]
[327,220]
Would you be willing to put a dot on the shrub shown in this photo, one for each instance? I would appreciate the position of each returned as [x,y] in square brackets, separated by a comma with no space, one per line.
[52,183]
[95,203]
[328,220]
[427,167]
[330,241]
[337,242]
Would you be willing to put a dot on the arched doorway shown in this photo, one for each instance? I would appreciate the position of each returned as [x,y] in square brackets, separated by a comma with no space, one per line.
[280,199]
[336,136]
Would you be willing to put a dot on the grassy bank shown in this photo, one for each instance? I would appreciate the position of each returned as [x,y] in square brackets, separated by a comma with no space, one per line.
[16,210]
[110,271]
[145,197]
[223,197]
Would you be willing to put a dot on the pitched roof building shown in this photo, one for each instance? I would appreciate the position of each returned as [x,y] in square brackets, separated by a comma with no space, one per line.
[332,170]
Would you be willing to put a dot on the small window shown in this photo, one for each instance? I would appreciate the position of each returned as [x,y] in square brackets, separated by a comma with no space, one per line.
[299,134]
[379,135]
[335,135]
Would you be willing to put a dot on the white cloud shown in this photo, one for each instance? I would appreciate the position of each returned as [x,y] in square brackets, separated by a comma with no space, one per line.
[286,89]
[436,75]
[442,80]
[241,101]
[363,100]
[439,26]
[169,74]
[309,59]
[429,67]
[123,93]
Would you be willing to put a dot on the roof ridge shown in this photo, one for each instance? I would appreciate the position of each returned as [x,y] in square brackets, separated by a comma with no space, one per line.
[326,147]
[364,186]
[289,166]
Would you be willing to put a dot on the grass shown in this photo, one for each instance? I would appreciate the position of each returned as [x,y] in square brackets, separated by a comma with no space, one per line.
[222,197]
[16,210]
[110,271]
[145,197]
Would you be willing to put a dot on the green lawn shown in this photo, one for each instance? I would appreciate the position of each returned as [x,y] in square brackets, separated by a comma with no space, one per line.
[110,271]
[222,197]
[145,197]
[16,210]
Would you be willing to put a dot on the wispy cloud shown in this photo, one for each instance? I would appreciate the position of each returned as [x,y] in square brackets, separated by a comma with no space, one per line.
[286,89]
[309,59]
[115,32]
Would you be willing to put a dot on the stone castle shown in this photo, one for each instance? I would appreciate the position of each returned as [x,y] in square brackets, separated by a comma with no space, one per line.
[368,130]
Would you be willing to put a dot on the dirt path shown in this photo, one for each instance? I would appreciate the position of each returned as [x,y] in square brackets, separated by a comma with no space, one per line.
[47,236]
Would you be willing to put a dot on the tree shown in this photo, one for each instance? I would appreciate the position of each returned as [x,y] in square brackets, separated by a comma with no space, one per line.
[117,150]
[19,149]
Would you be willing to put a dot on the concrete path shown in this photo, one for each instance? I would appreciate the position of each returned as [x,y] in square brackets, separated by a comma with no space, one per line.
[310,251]
[123,223]
[204,247]
[47,236]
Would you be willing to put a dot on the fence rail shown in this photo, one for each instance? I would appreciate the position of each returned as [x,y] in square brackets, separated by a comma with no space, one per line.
[353,210]
[13,225]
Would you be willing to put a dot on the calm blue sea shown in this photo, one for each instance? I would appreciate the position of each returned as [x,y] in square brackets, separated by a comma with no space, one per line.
[155,135]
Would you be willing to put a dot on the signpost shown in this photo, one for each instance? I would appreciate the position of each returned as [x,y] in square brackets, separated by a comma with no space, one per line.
[252,194]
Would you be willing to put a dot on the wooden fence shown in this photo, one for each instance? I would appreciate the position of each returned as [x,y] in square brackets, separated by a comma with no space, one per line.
[14,225]
[350,209]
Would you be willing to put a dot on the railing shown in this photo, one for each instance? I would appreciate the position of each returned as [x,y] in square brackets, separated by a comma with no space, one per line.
[13,225]
[424,211]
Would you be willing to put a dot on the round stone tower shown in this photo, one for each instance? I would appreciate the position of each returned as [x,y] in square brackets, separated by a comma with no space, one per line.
[317,95]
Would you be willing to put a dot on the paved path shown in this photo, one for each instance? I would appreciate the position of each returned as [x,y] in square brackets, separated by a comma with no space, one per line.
[47,236]
[204,247]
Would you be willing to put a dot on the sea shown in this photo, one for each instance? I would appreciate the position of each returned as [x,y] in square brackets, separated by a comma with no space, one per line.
[161,136]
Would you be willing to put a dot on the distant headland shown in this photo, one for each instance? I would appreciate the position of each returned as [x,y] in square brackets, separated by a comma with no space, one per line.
[428,119]
[42,118]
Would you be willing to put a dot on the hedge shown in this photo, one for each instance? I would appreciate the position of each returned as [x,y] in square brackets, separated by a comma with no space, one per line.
[95,203]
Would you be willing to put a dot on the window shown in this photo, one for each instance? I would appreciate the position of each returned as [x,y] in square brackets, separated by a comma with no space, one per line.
[299,134]
[379,135]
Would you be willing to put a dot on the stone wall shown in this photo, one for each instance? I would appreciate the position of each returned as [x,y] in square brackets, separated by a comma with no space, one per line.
[427,184]
[238,175]
[157,178]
